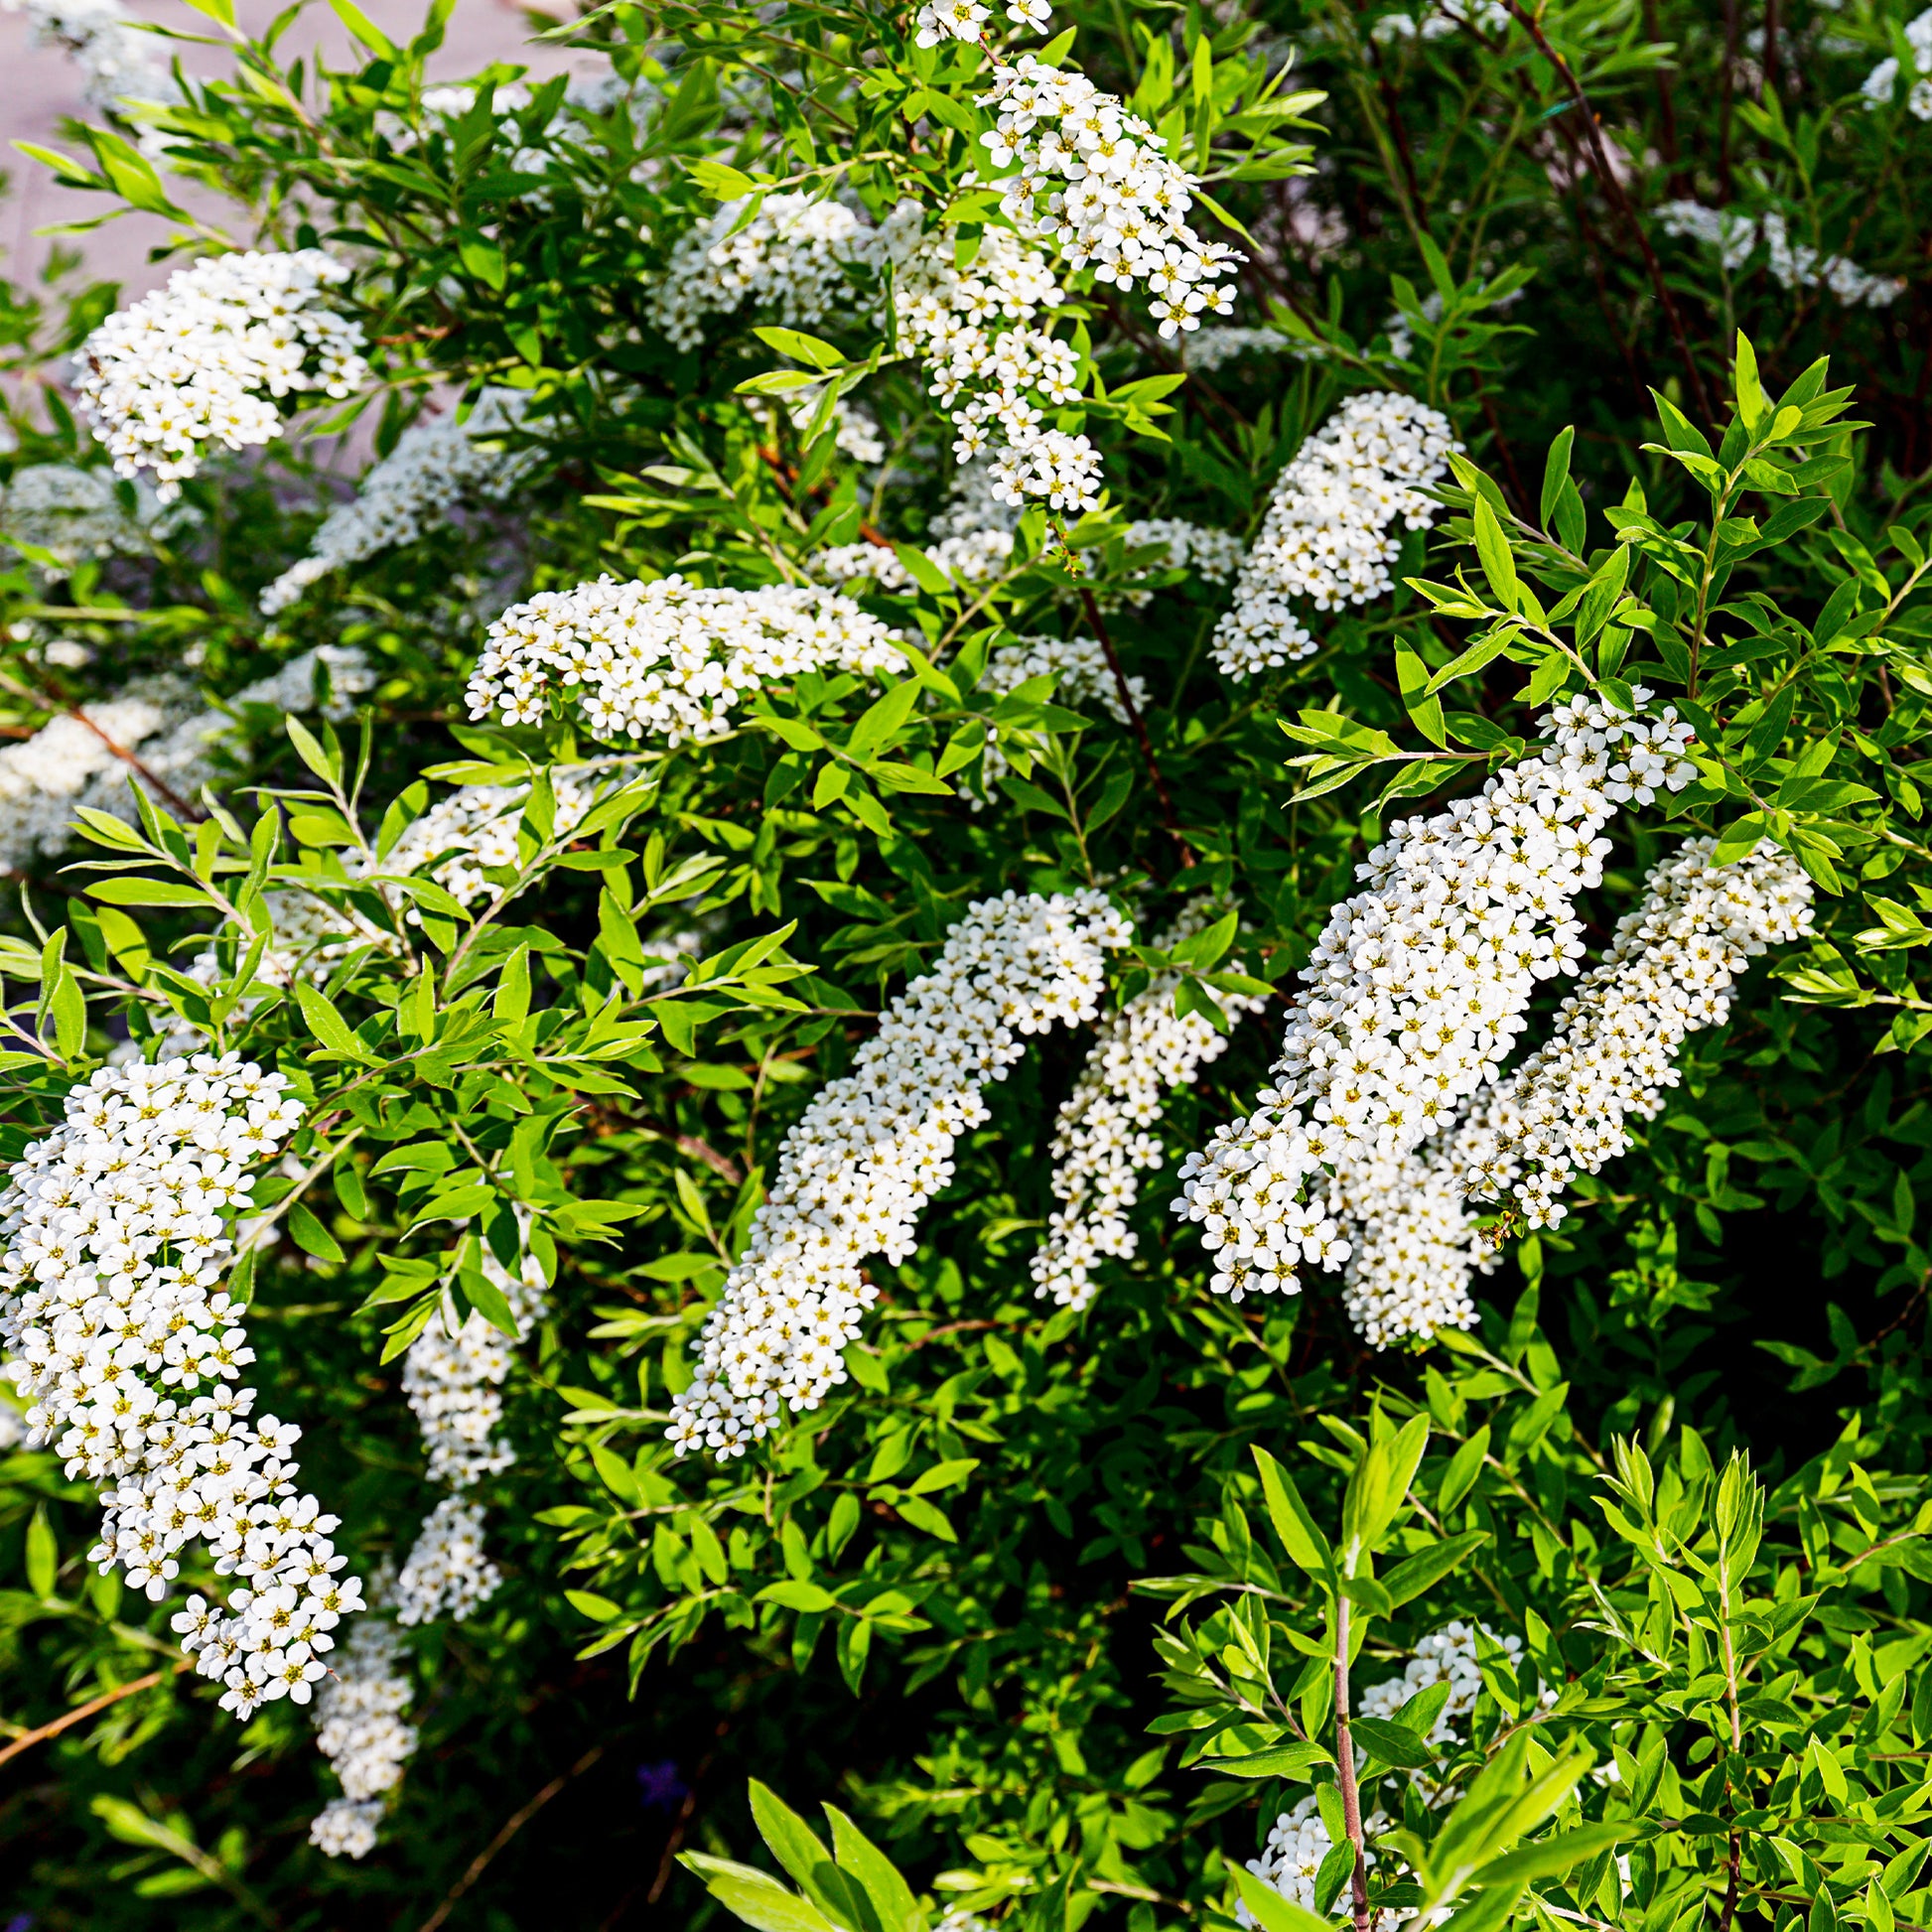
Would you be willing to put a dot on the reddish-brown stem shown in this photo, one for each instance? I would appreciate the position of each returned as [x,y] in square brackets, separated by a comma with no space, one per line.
[1614,192]
[184,806]
[81,1711]
[1351,1797]
[515,1824]
[1139,725]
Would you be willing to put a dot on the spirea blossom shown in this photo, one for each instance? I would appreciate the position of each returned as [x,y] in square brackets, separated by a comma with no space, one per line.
[130,1356]
[1094,179]
[1291,1859]
[1880,86]
[1327,539]
[108,45]
[1214,556]
[459,839]
[455,1382]
[1609,1060]
[1104,1137]
[994,372]
[977,557]
[791,261]
[359,1729]
[76,514]
[874,1147]
[206,360]
[159,732]
[1298,1840]
[435,468]
[447,1573]
[1083,681]
[1213,347]
[668,661]
[1419,988]
[1669,973]
[1792,264]
[1447,1655]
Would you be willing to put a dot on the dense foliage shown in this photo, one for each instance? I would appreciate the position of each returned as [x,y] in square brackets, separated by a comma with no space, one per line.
[1535,396]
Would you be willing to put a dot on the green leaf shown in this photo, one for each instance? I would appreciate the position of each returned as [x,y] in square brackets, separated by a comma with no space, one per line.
[146,891]
[1392,1743]
[892,1897]
[312,1237]
[368,33]
[1300,1537]
[1271,1912]
[1422,1572]
[43,1553]
[801,347]
[755,1897]
[927,1516]
[1290,1760]
[1492,549]
[721,181]
[327,1023]
[793,1593]
[803,1853]
[1424,710]
[1463,1469]
[1556,472]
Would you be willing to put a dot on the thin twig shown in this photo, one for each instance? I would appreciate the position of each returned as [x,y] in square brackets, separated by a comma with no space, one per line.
[187,809]
[81,1711]
[515,1824]
[1613,192]
[1138,724]
[662,1876]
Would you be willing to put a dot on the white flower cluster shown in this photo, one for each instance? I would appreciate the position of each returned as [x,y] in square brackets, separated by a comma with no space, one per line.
[1093,178]
[359,1729]
[665,660]
[855,429]
[474,829]
[1083,677]
[791,261]
[1668,973]
[1441,20]
[1297,1845]
[206,360]
[965,20]
[872,1150]
[1881,86]
[1793,265]
[1213,347]
[992,371]
[454,1387]
[975,558]
[1214,556]
[1419,988]
[1328,535]
[106,43]
[433,467]
[1444,1655]
[447,1573]
[1104,1136]
[86,759]
[455,1383]
[75,514]
[1299,1840]
[111,1305]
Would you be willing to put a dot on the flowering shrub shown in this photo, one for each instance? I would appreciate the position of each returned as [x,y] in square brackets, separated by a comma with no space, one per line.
[1016,910]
